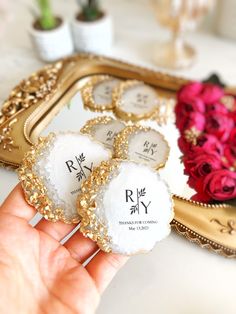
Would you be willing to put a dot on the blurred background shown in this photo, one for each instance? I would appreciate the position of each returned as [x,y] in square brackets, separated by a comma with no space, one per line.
[140,29]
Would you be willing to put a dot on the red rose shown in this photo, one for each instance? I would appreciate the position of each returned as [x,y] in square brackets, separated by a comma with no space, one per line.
[210,143]
[220,185]
[232,137]
[232,115]
[211,93]
[206,142]
[195,119]
[189,92]
[216,108]
[207,124]
[220,126]
[184,146]
[230,155]
[185,108]
[201,197]
[200,163]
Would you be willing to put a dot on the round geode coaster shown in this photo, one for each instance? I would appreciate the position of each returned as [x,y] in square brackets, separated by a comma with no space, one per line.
[103,129]
[52,172]
[125,207]
[97,92]
[134,101]
[143,145]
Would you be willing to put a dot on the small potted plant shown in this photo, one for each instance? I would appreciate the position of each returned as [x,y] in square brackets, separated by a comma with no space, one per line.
[92,28]
[50,34]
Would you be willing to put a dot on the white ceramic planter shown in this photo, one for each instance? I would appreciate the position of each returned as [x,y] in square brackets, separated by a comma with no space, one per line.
[54,44]
[96,36]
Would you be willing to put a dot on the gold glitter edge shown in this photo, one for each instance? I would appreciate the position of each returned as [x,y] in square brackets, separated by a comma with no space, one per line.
[87,94]
[31,182]
[121,143]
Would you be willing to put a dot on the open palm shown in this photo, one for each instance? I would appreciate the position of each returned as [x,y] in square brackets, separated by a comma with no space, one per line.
[40,275]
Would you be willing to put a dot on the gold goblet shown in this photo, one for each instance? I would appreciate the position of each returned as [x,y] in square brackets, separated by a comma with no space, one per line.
[178,16]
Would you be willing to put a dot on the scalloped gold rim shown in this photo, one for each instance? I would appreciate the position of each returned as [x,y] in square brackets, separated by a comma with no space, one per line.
[129,116]
[87,93]
[121,143]
[201,241]
[88,128]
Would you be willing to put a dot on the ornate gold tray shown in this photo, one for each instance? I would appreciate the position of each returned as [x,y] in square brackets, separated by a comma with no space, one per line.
[34,103]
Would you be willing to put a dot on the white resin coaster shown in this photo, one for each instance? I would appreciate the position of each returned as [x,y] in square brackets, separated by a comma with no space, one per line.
[103,129]
[134,101]
[142,144]
[97,92]
[125,207]
[53,170]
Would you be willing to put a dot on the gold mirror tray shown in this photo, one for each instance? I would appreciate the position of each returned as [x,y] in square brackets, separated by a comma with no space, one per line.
[35,102]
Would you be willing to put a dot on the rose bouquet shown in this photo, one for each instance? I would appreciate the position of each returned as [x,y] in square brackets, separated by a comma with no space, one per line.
[206,119]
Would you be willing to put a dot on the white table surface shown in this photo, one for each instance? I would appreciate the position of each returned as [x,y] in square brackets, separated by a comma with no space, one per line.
[176,277]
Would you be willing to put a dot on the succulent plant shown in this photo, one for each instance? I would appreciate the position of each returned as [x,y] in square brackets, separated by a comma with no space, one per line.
[90,9]
[47,20]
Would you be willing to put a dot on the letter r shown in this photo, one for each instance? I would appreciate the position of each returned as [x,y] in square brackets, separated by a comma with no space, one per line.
[70,166]
[128,194]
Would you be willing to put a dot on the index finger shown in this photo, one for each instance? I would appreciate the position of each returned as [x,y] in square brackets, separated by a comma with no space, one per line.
[16,205]
[103,267]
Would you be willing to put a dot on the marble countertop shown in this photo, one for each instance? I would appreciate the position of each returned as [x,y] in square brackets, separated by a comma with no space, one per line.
[176,277]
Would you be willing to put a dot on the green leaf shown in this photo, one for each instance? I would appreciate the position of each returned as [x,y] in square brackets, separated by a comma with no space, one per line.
[214,79]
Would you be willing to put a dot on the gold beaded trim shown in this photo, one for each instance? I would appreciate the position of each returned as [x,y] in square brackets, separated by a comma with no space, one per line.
[116,99]
[88,128]
[90,226]
[87,93]
[121,143]
[33,187]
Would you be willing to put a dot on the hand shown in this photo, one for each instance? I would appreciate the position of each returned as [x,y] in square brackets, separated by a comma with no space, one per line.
[40,275]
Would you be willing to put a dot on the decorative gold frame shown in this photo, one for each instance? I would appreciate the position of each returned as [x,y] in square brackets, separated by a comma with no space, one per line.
[35,101]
